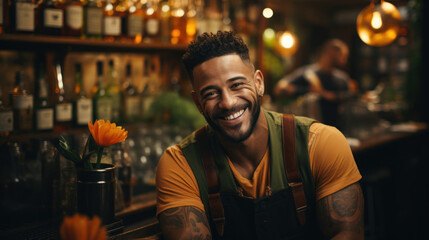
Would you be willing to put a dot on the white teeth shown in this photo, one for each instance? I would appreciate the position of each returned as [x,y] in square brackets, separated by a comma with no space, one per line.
[235,115]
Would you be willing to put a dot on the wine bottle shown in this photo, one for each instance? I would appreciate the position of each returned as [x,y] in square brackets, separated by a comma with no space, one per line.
[114,91]
[151,22]
[63,108]
[44,112]
[53,17]
[102,102]
[73,18]
[93,19]
[135,22]
[165,21]
[22,104]
[24,16]
[131,98]
[111,21]
[82,104]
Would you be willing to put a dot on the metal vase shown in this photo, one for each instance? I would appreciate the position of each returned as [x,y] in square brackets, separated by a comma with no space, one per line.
[96,192]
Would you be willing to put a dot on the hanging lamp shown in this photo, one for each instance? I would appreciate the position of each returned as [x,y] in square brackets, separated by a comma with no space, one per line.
[378,23]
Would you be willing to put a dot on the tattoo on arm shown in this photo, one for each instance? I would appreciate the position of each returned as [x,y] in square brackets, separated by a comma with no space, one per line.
[341,213]
[184,223]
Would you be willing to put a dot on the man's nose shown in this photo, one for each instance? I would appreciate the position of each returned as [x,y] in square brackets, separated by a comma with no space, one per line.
[227,100]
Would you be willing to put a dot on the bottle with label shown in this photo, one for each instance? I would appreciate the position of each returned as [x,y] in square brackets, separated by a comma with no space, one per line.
[102,102]
[135,22]
[93,19]
[22,105]
[121,9]
[146,94]
[63,108]
[44,113]
[24,16]
[131,98]
[151,21]
[73,24]
[6,118]
[111,22]
[53,17]
[165,21]
[82,105]
[114,91]
[213,16]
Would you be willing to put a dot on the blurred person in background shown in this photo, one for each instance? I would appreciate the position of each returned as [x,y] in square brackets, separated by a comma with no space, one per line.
[322,78]
[252,173]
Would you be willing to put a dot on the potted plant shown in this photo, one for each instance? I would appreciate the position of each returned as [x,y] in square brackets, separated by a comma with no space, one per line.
[95,180]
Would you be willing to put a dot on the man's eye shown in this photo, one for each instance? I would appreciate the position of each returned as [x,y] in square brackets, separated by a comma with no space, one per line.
[235,85]
[210,95]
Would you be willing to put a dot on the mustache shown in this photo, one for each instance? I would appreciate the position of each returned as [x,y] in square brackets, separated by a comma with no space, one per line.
[220,113]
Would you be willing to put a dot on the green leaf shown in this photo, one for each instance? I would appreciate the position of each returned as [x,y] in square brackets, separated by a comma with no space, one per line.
[65,150]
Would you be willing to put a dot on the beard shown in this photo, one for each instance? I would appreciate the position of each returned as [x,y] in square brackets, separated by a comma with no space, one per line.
[254,115]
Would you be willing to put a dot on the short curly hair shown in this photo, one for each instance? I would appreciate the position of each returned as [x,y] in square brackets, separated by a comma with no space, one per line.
[210,45]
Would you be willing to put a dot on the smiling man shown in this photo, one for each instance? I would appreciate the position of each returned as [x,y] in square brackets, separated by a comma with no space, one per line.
[252,173]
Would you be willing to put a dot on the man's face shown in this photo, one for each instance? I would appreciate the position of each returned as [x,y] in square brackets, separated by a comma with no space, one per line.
[226,93]
[340,56]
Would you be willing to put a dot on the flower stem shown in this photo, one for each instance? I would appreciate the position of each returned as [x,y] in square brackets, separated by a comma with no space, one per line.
[99,154]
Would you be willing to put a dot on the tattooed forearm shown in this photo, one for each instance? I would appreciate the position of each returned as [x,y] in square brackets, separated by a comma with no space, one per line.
[341,213]
[184,223]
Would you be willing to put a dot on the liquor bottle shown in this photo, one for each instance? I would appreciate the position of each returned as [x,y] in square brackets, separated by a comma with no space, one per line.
[44,113]
[121,8]
[178,22]
[146,94]
[165,21]
[73,25]
[213,16]
[114,91]
[22,104]
[63,108]
[102,103]
[201,21]
[24,16]
[111,21]
[135,21]
[53,17]
[151,22]
[191,22]
[82,104]
[93,19]
[6,118]
[226,19]
[131,98]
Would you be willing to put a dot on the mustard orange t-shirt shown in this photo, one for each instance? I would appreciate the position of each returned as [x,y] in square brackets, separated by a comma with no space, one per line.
[331,162]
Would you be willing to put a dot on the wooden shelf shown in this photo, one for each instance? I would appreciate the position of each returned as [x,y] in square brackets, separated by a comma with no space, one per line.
[51,43]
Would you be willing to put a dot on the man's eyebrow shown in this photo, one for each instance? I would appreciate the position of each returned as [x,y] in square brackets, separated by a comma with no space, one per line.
[228,81]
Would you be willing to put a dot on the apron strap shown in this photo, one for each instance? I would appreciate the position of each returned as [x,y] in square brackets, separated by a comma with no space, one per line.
[291,167]
[215,202]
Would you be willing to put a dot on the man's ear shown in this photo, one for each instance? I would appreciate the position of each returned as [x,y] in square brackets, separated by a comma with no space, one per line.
[196,101]
[259,82]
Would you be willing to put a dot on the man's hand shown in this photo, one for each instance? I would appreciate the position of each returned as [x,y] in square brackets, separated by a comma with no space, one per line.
[184,223]
[340,215]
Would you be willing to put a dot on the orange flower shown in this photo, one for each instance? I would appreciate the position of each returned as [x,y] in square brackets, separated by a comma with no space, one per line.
[106,133]
[80,227]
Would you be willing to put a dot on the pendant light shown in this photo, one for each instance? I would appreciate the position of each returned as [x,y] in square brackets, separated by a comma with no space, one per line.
[378,23]
[287,43]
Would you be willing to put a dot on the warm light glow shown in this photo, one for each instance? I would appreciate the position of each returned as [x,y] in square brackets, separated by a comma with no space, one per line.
[376,22]
[150,11]
[286,40]
[287,43]
[178,13]
[109,7]
[165,8]
[132,9]
[267,13]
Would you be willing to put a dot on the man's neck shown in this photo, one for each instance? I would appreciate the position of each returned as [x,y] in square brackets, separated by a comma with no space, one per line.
[247,155]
